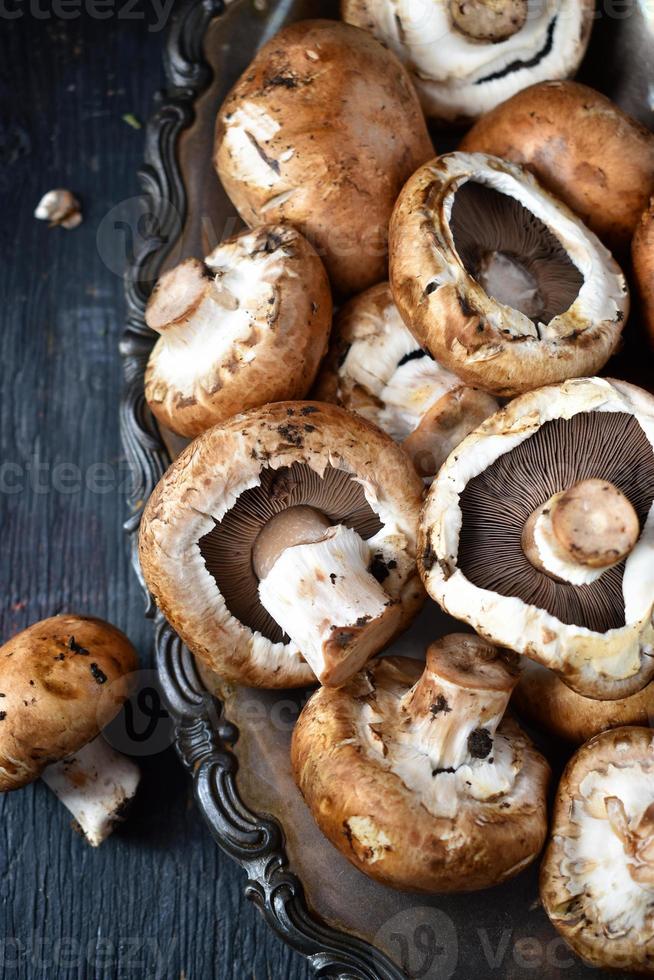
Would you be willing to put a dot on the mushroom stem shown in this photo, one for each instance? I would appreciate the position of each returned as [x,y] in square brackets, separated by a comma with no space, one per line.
[488,20]
[96,784]
[579,533]
[315,583]
[444,426]
[452,712]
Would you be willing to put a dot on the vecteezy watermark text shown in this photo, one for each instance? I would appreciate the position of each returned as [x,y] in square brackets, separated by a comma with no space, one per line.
[155,13]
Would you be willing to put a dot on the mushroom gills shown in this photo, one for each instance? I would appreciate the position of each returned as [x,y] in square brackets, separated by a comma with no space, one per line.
[97,785]
[316,585]
[228,549]
[512,254]
[497,504]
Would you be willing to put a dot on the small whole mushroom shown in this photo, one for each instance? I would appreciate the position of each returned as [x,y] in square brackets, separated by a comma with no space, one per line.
[545,701]
[581,147]
[499,280]
[414,772]
[247,326]
[62,681]
[375,367]
[642,252]
[322,130]
[280,545]
[597,877]
[465,56]
[539,532]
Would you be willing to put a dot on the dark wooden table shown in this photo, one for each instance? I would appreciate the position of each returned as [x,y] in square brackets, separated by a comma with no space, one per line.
[158,899]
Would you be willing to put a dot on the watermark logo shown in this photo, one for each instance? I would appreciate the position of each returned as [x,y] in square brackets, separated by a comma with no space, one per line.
[422,941]
[155,13]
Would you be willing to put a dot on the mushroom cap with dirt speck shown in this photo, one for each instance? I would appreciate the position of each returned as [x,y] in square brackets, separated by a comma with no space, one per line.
[547,703]
[322,130]
[598,635]
[202,521]
[597,876]
[499,280]
[376,367]
[642,252]
[371,761]
[62,681]
[466,57]
[247,326]
[581,147]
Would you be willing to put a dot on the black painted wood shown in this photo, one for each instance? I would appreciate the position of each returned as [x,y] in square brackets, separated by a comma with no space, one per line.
[158,899]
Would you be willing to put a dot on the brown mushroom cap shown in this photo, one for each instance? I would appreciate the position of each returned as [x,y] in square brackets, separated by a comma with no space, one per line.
[247,326]
[581,146]
[366,759]
[642,252]
[498,280]
[204,517]
[61,681]
[321,131]
[597,877]
[544,700]
[376,367]
[598,634]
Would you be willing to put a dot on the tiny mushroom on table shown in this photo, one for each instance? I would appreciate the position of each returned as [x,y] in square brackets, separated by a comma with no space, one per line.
[546,702]
[321,131]
[62,681]
[281,545]
[416,775]
[597,877]
[581,147]
[247,326]
[642,252]
[376,367]
[465,56]
[561,583]
[499,280]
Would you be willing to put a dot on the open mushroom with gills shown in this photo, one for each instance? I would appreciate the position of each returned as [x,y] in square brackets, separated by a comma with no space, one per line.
[465,56]
[414,772]
[642,252]
[281,545]
[499,280]
[62,681]
[597,877]
[539,532]
[321,131]
[547,703]
[580,146]
[247,326]
[376,367]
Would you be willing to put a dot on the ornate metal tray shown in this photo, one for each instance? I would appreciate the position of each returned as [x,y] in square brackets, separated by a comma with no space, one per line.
[234,742]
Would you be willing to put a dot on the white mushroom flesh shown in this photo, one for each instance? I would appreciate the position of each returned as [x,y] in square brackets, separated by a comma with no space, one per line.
[314,590]
[96,784]
[458,76]
[223,327]
[554,559]
[614,846]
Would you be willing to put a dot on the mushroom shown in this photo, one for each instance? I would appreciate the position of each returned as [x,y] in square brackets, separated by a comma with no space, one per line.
[582,605]
[62,681]
[498,280]
[247,326]
[281,544]
[322,130]
[465,56]
[581,147]
[597,878]
[375,367]
[642,252]
[416,775]
[546,702]
[59,207]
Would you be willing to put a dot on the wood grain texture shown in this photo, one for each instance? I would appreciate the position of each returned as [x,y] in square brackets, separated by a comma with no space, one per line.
[158,900]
